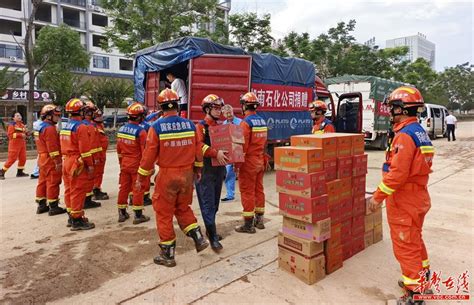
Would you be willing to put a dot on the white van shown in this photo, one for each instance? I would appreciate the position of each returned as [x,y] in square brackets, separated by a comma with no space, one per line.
[432,120]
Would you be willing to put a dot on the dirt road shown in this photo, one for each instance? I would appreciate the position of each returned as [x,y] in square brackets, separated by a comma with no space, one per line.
[42,261]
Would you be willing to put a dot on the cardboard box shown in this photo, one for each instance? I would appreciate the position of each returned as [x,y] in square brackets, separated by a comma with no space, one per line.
[345,188]
[358,205]
[377,217]
[309,210]
[358,144]
[344,144]
[330,168]
[334,259]
[228,133]
[335,212]
[360,160]
[333,190]
[301,184]
[346,209]
[347,249]
[319,231]
[369,238]
[346,230]
[235,152]
[298,159]
[303,247]
[367,208]
[358,225]
[378,233]
[327,142]
[358,244]
[344,167]
[369,222]
[344,161]
[335,240]
[359,170]
[358,185]
[308,269]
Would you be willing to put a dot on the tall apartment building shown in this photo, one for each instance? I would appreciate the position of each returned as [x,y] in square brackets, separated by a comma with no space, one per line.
[87,17]
[419,47]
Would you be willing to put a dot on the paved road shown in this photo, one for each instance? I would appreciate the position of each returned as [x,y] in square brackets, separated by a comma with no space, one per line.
[42,261]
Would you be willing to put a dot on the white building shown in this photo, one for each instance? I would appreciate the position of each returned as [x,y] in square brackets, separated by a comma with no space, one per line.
[419,47]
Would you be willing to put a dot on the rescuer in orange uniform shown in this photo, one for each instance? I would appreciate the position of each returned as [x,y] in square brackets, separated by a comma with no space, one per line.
[209,188]
[172,144]
[17,134]
[252,170]
[49,162]
[78,167]
[96,149]
[320,123]
[131,140]
[404,188]
[102,155]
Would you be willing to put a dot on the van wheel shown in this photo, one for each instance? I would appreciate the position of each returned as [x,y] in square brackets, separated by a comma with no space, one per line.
[432,135]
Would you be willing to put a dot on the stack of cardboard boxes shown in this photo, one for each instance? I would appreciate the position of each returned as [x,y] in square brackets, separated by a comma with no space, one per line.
[230,138]
[321,184]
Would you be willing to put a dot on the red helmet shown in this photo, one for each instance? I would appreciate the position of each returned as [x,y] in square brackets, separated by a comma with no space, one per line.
[50,109]
[406,97]
[318,105]
[74,105]
[136,109]
[212,100]
[249,98]
[168,96]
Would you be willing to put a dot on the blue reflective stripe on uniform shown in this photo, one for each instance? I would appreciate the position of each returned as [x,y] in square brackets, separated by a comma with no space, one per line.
[418,134]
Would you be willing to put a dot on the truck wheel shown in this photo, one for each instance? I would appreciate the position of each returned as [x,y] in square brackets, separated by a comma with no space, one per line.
[383,142]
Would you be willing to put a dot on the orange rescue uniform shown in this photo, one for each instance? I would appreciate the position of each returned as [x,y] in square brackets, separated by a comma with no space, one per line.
[323,125]
[131,140]
[96,150]
[102,154]
[49,162]
[172,144]
[252,170]
[17,134]
[404,187]
[76,149]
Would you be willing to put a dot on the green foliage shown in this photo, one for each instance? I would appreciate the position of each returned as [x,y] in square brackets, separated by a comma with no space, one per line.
[458,83]
[7,78]
[109,92]
[453,106]
[143,23]
[251,32]
[63,83]
[467,106]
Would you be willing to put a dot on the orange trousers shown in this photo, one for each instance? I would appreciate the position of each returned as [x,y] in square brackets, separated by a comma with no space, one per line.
[99,172]
[16,151]
[76,185]
[251,186]
[406,210]
[127,180]
[49,179]
[173,196]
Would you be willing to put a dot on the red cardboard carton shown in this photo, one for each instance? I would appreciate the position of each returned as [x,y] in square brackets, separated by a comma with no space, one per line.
[346,209]
[358,244]
[298,159]
[335,240]
[335,212]
[344,144]
[358,205]
[228,133]
[301,184]
[334,259]
[358,185]
[309,210]
[358,144]
[235,153]
[358,225]
[346,230]
[330,168]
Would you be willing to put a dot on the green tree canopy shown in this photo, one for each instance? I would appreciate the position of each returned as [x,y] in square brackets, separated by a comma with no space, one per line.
[458,83]
[250,32]
[109,92]
[143,23]
[7,78]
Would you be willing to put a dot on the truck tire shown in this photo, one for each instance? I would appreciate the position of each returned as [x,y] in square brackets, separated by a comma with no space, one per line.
[383,141]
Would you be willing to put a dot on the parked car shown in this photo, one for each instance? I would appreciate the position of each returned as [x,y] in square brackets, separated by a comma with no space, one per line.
[432,120]
[109,120]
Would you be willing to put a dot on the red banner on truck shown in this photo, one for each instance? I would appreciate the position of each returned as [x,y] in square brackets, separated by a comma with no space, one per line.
[282,98]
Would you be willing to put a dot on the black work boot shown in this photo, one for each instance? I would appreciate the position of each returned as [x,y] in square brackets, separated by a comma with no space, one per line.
[20,173]
[166,256]
[199,241]
[408,299]
[42,206]
[258,221]
[139,217]
[211,232]
[147,199]
[2,174]
[218,236]
[123,215]
[99,195]
[247,227]
[69,220]
[81,223]
[90,204]
[54,208]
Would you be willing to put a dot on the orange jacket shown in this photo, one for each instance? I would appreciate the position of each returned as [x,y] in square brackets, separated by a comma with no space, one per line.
[255,134]
[16,132]
[171,142]
[96,147]
[75,140]
[103,139]
[207,150]
[323,125]
[131,140]
[47,143]
[408,160]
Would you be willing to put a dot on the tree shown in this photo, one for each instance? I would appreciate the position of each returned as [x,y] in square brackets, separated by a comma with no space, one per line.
[457,82]
[143,23]
[7,78]
[467,106]
[110,92]
[453,106]
[251,32]
[64,45]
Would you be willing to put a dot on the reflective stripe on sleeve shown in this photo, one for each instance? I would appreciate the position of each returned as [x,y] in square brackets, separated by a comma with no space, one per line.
[144,172]
[54,154]
[387,190]
[205,147]
[125,136]
[427,149]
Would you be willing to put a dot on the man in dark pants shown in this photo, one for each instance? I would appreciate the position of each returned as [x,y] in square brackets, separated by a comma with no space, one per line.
[209,188]
[451,124]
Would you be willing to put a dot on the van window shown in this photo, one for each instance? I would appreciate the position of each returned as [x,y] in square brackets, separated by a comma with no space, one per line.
[437,113]
[424,114]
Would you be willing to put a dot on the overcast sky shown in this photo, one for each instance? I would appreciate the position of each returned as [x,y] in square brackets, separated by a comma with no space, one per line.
[446,23]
